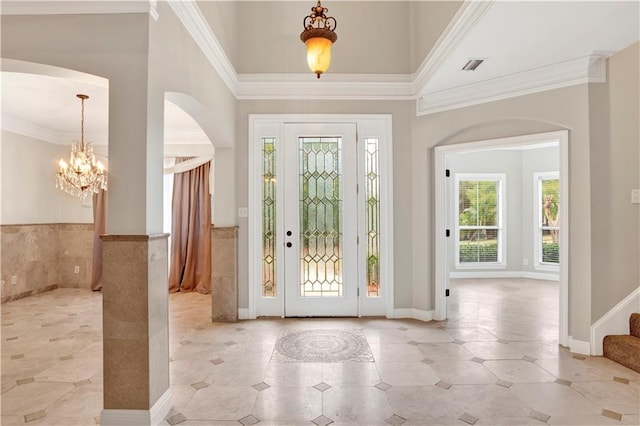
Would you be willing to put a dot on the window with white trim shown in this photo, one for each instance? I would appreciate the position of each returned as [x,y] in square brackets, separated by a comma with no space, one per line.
[547,204]
[479,219]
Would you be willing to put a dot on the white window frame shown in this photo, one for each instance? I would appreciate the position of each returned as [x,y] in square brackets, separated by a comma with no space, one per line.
[538,264]
[501,178]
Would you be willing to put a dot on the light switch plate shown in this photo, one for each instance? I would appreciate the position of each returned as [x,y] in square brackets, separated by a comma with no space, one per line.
[635,196]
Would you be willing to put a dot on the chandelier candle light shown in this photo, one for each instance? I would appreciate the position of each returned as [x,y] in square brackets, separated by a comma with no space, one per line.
[319,35]
[83,174]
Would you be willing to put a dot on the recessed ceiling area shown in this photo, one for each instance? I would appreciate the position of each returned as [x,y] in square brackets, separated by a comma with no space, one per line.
[47,108]
[386,50]
[519,36]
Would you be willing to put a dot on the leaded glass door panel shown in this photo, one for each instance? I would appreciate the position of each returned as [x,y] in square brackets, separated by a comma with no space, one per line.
[320,220]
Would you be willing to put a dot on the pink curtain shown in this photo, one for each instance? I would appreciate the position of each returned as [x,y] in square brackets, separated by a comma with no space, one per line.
[191,232]
[99,228]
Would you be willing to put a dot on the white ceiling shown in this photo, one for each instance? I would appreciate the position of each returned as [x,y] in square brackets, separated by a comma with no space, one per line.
[515,37]
[47,107]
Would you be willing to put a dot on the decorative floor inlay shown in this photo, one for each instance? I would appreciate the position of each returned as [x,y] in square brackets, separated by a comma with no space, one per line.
[200,385]
[383,386]
[539,416]
[261,386]
[468,418]
[612,414]
[322,346]
[322,386]
[34,416]
[621,380]
[322,421]
[249,420]
[396,420]
[176,419]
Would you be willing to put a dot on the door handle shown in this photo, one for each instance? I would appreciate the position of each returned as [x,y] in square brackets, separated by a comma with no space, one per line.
[289,244]
[288,233]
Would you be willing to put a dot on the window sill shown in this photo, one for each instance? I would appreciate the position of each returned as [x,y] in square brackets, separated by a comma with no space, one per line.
[549,268]
[494,266]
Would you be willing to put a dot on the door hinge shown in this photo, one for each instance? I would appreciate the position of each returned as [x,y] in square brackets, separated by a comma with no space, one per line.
[357,188]
[447,233]
[446,293]
[358,291]
[447,173]
[357,239]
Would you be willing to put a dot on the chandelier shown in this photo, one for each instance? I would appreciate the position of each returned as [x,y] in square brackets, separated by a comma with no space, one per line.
[319,35]
[83,174]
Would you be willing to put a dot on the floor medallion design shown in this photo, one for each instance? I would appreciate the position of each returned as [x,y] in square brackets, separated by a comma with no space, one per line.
[322,346]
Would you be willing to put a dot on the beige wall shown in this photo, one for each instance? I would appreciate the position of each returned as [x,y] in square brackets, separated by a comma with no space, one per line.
[142,58]
[402,111]
[559,109]
[428,19]
[377,31]
[615,170]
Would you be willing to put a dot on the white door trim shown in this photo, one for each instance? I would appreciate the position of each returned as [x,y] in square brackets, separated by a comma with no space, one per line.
[272,125]
[441,265]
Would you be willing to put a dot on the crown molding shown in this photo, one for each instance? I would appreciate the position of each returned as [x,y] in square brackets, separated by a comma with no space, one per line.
[390,87]
[194,21]
[331,87]
[77,7]
[463,21]
[30,129]
[46,134]
[586,69]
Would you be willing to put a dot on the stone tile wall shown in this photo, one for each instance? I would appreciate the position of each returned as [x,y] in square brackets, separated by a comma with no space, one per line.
[224,273]
[42,257]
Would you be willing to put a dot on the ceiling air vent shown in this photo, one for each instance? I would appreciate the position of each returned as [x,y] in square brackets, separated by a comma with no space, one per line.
[472,64]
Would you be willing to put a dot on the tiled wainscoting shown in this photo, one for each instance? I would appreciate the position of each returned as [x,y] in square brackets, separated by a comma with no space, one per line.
[224,273]
[42,257]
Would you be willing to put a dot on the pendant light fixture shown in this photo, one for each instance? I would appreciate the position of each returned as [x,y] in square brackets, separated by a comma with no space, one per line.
[318,35]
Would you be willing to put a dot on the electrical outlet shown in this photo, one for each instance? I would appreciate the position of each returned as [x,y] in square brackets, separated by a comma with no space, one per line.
[76,269]
[525,262]
[635,196]
[14,279]
[243,212]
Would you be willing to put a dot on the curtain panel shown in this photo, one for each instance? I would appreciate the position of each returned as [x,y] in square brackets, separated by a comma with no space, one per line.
[190,257]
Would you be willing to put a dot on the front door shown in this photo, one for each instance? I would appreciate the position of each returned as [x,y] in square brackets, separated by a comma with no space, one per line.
[320,220]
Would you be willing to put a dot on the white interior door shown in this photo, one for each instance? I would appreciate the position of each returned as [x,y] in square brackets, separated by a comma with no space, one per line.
[320,220]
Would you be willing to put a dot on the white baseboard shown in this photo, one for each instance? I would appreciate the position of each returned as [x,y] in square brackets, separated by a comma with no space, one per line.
[579,346]
[506,274]
[151,417]
[243,314]
[616,321]
[418,314]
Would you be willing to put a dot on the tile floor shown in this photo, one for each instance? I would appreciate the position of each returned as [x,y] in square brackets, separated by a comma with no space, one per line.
[494,362]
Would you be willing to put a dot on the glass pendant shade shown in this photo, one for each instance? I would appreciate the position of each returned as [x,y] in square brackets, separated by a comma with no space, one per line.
[319,54]
[318,35]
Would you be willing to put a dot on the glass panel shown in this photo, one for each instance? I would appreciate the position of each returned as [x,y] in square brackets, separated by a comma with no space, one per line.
[550,246]
[269,217]
[550,215]
[478,221]
[478,245]
[478,203]
[372,208]
[550,201]
[321,217]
